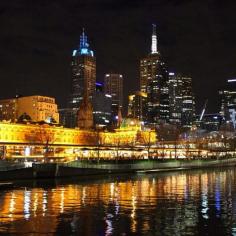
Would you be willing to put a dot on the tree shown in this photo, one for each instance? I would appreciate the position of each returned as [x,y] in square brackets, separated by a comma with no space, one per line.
[46,137]
[145,139]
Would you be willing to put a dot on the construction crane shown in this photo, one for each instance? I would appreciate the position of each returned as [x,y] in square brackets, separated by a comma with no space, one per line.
[203,110]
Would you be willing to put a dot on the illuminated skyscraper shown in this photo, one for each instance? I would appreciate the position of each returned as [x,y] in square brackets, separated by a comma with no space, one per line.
[182,102]
[83,75]
[176,98]
[83,67]
[188,103]
[154,82]
[228,102]
[113,85]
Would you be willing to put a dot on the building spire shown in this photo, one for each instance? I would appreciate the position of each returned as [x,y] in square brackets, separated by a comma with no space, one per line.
[154,40]
[83,41]
[83,46]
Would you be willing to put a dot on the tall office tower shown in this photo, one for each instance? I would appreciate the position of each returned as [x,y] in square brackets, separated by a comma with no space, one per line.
[154,82]
[188,103]
[83,75]
[176,98]
[101,107]
[113,85]
[182,103]
[83,67]
[228,102]
[137,106]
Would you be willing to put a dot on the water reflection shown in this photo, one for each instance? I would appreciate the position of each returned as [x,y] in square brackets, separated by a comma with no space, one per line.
[180,203]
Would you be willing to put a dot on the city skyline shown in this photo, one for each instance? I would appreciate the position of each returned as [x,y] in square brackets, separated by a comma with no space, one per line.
[38,40]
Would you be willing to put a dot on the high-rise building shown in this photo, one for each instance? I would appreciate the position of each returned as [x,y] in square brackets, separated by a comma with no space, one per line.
[83,77]
[176,98]
[137,106]
[101,107]
[228,102]
[188,109]
[113,85]
[182,103]
[154,82]
[83,67]
[37,108]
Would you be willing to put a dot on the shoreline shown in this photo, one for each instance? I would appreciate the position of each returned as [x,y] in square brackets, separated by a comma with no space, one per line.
[88,168]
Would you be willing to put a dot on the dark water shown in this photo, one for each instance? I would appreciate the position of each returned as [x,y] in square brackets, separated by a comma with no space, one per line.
[200,202]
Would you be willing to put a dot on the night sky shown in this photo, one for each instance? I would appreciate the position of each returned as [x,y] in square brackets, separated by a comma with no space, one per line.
[196,38]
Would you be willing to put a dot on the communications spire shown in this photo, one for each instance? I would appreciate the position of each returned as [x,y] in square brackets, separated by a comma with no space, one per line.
[154,40]
[83,46]
[83,40]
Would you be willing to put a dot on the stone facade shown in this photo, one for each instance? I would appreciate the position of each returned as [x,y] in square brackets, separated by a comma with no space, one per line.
[12,133]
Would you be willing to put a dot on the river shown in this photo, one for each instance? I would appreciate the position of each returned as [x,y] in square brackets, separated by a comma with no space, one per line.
[196,202]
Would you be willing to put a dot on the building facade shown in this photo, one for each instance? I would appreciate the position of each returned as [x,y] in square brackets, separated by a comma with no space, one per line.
[30,140]
[113,85]
[228,102]
[38,108]
[137,106]
[101,107]
[176,98]
[154,82]
[209,122]
[188,103]
[182,102]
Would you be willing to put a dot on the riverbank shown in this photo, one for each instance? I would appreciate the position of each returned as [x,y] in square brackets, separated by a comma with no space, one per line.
[92,167]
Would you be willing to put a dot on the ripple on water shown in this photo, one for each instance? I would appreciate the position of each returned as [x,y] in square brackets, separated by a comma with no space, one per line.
[184,203]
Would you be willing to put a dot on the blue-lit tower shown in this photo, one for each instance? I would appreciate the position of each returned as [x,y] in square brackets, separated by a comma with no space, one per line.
[83,68]
[83,79]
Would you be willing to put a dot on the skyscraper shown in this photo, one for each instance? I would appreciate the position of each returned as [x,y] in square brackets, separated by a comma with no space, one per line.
[83,72]
[113,85]
[176,98]
[228,102]
[154,82]
[188,103]
[182,102]
[83,75]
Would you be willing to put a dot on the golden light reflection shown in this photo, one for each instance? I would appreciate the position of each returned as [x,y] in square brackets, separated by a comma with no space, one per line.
[25,206]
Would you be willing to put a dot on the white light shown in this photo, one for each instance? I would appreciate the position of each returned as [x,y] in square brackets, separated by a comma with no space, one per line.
[154,44]
[231,80]
[27,151]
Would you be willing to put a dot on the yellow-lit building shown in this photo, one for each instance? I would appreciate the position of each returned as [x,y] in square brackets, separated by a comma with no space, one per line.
[38,108]
[21,140]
